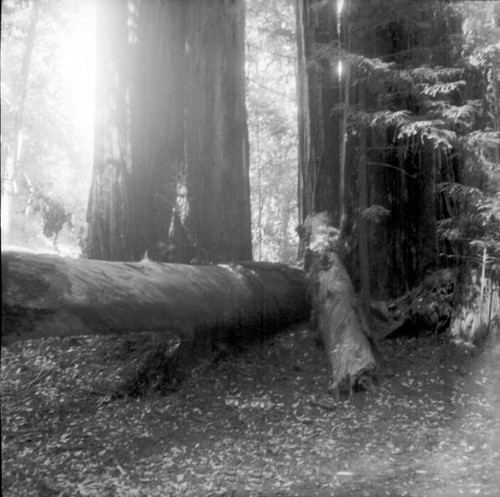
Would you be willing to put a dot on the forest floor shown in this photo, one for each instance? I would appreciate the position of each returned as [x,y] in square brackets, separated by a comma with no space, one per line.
[255,423]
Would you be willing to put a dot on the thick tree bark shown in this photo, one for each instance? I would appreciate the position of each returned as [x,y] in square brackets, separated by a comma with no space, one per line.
[109,215]
[158,79]
[216,218]
[51,296]
[171,161]
[400,172]
[363,249]
[319,115]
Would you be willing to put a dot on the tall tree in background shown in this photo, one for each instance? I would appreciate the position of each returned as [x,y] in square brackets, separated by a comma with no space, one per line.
[46,87]
[11,135]
[271,60]
[171,160]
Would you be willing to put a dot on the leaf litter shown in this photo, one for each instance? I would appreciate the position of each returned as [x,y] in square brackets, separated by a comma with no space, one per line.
[257,423]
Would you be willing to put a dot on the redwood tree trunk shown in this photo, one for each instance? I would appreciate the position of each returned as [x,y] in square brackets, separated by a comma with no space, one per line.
[175,183]
[399,173]
[110,209]
[319,115]
[157,122]
[217,217]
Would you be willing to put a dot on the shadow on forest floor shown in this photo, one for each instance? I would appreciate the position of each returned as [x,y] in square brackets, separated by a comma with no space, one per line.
[253,424]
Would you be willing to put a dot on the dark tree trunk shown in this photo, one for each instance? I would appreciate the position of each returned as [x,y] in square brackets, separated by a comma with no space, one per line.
[171,163]
[319,115]
[217,213]
[363,252]
[157,122]
[396,179]
[51,296]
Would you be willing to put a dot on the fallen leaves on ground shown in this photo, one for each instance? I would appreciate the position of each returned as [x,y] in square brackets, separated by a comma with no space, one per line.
[258,423]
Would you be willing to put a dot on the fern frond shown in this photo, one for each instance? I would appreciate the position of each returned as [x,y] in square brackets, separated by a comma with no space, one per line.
[465,115]
[370,65]
[386,118]
[375,213]
[360,118]
[435,74]
[481,139]
[435,89]
[433,131]
[490,206]
[457,191]
[447,229]
[484,148]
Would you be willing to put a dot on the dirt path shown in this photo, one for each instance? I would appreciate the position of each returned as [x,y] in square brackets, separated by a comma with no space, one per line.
[253,424]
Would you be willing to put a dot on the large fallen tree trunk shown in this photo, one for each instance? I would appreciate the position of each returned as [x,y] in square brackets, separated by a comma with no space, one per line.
[337,312]
[51,296]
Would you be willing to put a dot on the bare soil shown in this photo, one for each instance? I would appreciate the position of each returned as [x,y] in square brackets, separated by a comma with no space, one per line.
[253,423]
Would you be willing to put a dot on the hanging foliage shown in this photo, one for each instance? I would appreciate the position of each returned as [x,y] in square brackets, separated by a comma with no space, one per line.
[415,110]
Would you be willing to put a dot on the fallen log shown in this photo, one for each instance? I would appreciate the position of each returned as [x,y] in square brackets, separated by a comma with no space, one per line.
[46,296]
[337,312]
